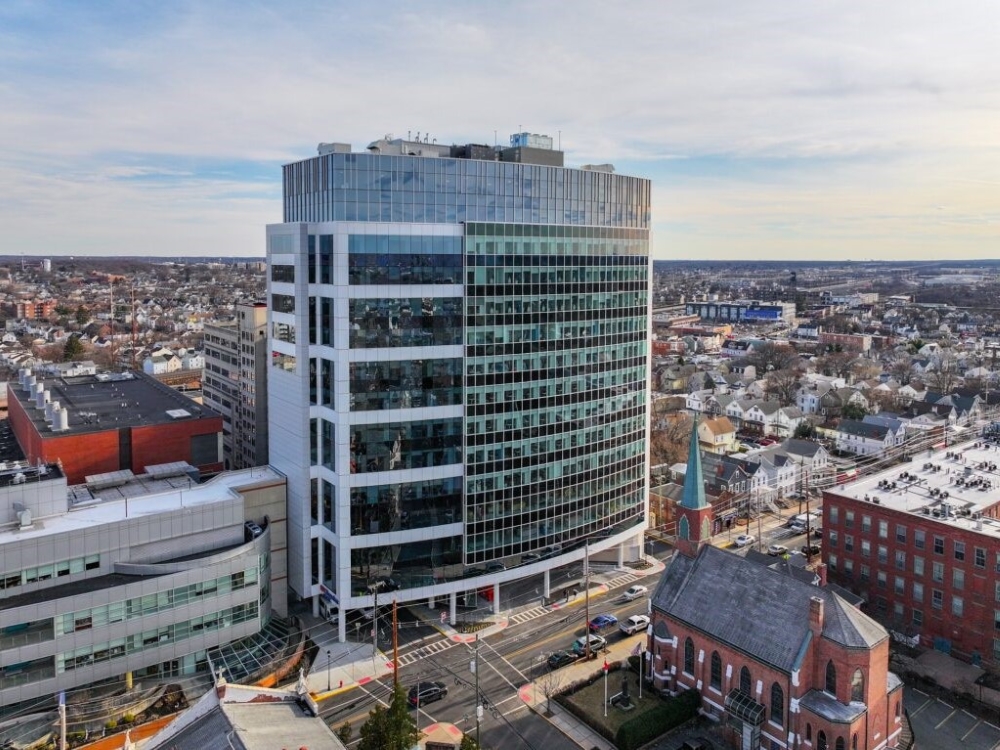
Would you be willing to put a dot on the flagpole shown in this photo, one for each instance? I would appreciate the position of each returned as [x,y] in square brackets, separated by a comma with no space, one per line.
[605,688]
[642,656]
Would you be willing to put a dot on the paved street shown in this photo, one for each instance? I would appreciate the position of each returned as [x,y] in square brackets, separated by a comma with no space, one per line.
[508,659]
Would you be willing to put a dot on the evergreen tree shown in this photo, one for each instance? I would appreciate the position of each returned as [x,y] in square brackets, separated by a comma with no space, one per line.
[391,728]
[73,349]
[344,732]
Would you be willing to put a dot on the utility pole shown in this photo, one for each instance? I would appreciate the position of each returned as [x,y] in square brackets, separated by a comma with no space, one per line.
[586,599]
[111,320]
[395,647]
[479,698]
[375,620]
[133,327]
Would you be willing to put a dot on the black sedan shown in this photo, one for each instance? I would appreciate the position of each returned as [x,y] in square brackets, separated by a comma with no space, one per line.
[561,659]
[426,692]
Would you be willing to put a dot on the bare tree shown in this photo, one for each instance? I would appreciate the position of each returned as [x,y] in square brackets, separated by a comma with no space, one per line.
[837,363]
[669,444]
[944,376]
[551,684]
[771,356]
[865,369]
[901,367]
[782,385]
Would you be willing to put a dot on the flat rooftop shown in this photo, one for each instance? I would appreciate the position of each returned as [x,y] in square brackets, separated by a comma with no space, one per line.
[955,486]
[108,401]
[90,507]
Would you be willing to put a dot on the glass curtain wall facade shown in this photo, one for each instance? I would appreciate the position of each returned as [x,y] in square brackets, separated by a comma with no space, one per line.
[468,382]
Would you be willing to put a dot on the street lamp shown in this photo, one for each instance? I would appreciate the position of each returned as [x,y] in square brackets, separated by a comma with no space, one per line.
[328,665]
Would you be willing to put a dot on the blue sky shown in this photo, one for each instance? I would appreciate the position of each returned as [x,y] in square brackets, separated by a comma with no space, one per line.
[771,130]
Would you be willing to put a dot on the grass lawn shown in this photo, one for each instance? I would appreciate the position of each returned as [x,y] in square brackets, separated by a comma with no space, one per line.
[590,701]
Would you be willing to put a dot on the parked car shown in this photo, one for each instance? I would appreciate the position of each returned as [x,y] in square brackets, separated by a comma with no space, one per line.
[426,692]
[634,592]
[530,557]
[797,527]
[745,540]
[810,549]
[818,532]
[596,644]
[561,659]
[602,621]
[775,550]
[634,624]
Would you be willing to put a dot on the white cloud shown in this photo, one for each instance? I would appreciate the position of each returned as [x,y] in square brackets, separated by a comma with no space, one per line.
[839,96]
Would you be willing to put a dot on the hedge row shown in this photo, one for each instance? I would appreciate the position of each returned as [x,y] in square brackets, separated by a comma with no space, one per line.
[673,712]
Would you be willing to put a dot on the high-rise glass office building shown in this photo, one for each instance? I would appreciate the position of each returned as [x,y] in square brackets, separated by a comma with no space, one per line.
[459,366]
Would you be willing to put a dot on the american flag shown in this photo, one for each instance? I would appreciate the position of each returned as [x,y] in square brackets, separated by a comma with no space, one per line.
[638,649]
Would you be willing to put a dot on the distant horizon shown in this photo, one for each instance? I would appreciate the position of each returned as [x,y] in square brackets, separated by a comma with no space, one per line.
[14,259]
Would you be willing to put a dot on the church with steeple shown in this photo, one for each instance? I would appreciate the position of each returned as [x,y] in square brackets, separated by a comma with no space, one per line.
[694,514]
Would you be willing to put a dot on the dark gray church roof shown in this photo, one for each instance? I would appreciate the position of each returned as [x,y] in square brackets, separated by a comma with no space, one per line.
[759,611]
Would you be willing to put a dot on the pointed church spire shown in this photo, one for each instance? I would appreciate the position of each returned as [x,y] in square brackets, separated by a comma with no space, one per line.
[694,481]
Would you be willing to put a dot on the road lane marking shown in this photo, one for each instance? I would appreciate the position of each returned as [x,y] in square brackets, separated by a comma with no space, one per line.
[945,719]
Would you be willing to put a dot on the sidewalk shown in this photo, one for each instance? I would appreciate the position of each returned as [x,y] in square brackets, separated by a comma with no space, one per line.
[340,667]
[352,665]
[498,623]
[584,736]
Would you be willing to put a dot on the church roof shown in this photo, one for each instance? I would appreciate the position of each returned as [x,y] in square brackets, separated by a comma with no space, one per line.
[762,612]
[694,484]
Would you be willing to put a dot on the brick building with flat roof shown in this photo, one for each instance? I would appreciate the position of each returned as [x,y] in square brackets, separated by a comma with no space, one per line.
[96,424]
[921,543]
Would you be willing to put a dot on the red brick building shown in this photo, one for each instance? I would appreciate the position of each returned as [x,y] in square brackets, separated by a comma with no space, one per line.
[921,544]
[98,424]
[780,662]
[41,309]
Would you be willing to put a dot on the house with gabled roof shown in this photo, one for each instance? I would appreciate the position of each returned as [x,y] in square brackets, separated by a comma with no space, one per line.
[717,435]
[867,439]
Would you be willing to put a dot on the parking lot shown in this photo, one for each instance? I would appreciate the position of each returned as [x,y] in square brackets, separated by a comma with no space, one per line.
[940,726]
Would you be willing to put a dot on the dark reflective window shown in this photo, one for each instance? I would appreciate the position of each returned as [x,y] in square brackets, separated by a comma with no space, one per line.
[412,321]
[405,384]
[283,303]
[405,445]
[413,564]
[413,505]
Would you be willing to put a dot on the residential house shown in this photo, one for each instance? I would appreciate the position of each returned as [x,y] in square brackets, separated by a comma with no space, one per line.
[833,402]
[717,435]
[866,439]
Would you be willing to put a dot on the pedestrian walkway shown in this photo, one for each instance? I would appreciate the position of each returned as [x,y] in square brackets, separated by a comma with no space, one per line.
[350,665]
[534,696]
[432,648]
[528,615]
